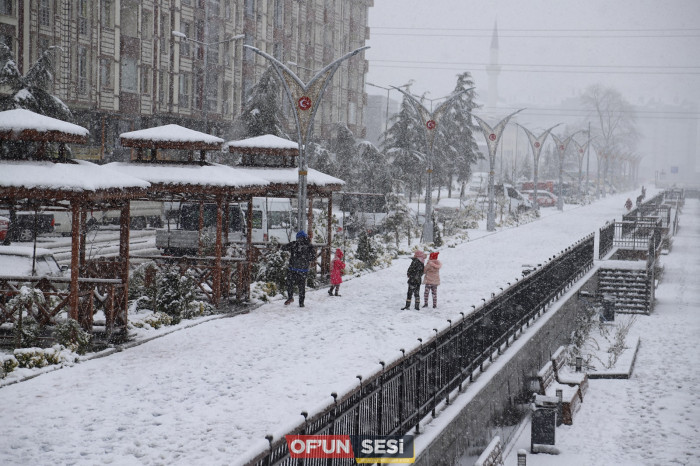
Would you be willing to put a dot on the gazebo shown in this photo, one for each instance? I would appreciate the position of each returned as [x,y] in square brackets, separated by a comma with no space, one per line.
[42,180]
[195,180]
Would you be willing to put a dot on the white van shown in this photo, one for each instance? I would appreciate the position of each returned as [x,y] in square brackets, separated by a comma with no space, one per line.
[272,218]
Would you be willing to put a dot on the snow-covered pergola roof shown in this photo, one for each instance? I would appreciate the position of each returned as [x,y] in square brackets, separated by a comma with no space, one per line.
[170,137]
[80,176]
[287,179]
[267,144]
[184,177]
[25,125]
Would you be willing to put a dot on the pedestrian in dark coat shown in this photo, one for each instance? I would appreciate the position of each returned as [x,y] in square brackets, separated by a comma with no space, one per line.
[337,267]
[414,274]
[302,254]
[432,278]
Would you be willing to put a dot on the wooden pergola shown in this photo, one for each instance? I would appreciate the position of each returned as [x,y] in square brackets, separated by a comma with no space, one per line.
[41,181]
[196,181]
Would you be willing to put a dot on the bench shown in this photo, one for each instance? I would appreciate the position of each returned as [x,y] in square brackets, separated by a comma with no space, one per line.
[563,372]
[571,397]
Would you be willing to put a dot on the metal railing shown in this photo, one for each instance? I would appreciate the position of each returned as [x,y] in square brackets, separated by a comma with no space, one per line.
[393,401]
[607,237]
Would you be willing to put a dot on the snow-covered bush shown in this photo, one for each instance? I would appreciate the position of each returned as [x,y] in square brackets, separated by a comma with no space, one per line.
[8,363]
[71,335]
[366,250]
[26,329]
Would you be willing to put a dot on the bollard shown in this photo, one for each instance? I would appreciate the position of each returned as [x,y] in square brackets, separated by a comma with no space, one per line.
[522,458]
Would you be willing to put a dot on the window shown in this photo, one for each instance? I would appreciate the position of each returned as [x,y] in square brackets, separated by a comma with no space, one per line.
[279,13]
[44,13]
[198,89]
[105,73]
[107,17]
[249,7]
[227,9]
[129,81]
[6,7]
[82,17]
[82,70]
[162,88]
[212,92]
[184,97]
[145,80]
[147,25]
[8,40]
[215,7]
[165,36]
[226,101]
[129,19]
[184,44]
[42,44]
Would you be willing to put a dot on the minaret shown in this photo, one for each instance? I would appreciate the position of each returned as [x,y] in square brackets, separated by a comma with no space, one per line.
[493,69]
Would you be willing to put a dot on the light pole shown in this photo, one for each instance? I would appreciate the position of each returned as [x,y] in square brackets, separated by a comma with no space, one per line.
[493,137]
[206,45]
[305,98]
[561,150]
[430,121]
[581,148]
[536,142]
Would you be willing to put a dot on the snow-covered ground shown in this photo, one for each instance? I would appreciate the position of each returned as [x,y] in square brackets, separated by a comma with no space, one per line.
[211,393]
[653,417]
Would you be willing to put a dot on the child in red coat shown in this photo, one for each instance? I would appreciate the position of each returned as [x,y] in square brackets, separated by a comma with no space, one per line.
[337,267]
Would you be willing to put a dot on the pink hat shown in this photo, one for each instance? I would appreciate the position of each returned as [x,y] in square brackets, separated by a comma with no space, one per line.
[420,255]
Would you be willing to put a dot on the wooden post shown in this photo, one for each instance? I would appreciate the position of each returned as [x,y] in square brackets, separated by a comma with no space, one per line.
[124,222]
[218,250]
[73,297]
[326,260]
[249,249]
[83,236]
[201,227]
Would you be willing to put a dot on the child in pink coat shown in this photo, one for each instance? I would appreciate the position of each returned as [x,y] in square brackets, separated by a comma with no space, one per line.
[337,267]
[432,278]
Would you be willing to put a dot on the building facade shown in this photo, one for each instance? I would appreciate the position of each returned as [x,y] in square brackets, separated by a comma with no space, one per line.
[132,64]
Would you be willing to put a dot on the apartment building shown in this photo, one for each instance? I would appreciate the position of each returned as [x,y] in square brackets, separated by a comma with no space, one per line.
[132,64]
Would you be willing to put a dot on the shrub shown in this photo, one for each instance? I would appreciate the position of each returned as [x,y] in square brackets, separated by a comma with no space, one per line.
[71,335]
[8,363]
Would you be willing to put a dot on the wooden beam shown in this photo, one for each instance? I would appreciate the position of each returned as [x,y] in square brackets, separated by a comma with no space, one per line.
[74,261]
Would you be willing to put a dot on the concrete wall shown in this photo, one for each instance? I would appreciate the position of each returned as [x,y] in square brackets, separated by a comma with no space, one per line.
[501,401]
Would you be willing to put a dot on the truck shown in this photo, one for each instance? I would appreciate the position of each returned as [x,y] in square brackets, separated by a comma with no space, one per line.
[271,218]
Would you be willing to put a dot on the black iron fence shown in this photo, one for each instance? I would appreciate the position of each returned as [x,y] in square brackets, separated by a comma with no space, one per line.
[607,236]
[393,401]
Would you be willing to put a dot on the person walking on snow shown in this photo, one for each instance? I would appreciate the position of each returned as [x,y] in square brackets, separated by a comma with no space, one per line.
[337,267]
[432,278]
[414,273]
[302,254]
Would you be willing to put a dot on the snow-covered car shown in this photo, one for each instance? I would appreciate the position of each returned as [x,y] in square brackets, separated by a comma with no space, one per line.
[544,198]
[16,261]
[4,227]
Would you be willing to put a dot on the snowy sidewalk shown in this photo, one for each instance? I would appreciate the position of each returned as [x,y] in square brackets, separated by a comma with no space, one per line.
[211,393]
[654,417]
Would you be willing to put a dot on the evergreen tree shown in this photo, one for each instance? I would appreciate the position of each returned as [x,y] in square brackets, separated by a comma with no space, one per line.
[372,169]
[437,237]
[455,149]
[366,252]
[404,145]
[343,147]
[30,92]
[399,219]
[262,111]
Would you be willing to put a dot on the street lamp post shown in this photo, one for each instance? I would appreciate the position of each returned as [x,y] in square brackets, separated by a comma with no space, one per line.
[305,98]
[536,143]
[206,45]
[493,137]
[561,150]
[430,121]
[388,90]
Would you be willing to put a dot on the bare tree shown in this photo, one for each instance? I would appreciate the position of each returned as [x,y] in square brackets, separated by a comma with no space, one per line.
[614,132]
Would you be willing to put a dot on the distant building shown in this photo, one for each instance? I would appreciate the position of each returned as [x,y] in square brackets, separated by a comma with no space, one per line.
[375,116]
[121,68]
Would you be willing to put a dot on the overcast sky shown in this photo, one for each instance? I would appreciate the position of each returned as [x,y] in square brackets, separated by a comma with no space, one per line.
[549,49]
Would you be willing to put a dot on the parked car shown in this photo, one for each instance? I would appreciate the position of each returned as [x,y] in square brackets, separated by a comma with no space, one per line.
[4,226]
[544,198]
[26,223]
[17,261]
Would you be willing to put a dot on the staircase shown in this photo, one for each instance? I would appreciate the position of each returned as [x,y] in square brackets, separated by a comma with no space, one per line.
[630,288]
